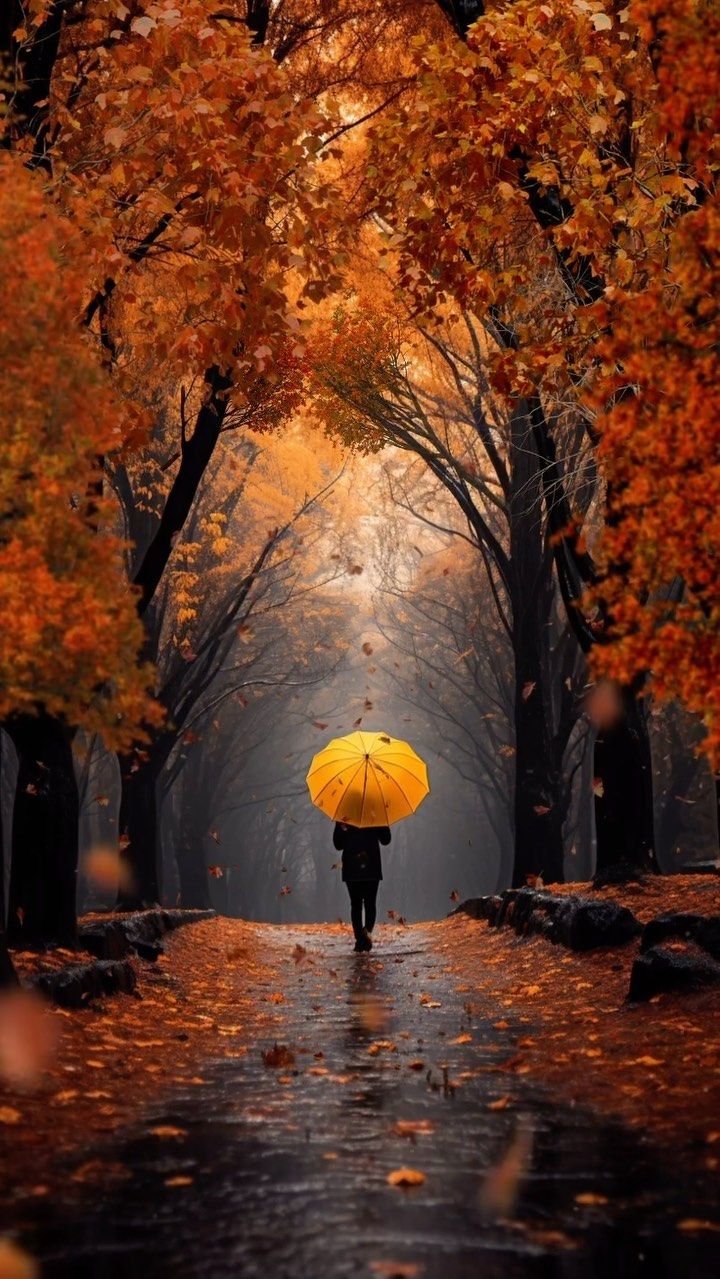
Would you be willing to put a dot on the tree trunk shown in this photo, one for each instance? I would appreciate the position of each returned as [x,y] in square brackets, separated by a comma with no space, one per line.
[140,881]
[8,976]
[624,798]
[538,775]
[43,875]
[538,812]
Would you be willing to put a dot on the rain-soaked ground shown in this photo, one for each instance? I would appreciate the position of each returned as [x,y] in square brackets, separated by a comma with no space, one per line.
[283,1172]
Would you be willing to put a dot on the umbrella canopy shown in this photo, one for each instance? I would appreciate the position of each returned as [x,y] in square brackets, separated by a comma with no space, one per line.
[367,779]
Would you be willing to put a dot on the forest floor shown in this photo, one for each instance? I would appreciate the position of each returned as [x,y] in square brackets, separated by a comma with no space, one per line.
[260,1106]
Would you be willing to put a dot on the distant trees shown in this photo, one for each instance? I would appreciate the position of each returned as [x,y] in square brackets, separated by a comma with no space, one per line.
[383,381]
[448,655]
[248,549]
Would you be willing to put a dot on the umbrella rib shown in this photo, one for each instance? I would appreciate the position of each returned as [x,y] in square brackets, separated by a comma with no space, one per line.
[407,770]
[395,782]
[377,779]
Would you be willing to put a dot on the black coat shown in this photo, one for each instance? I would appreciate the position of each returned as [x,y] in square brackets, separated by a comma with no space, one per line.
[360,851]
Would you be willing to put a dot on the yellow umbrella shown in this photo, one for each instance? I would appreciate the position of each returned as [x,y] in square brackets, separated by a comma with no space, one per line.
[367,779]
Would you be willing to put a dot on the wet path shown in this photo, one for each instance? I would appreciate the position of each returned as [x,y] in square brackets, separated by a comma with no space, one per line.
[281,1171]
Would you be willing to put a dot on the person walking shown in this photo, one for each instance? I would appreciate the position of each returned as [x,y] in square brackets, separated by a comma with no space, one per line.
[362,872]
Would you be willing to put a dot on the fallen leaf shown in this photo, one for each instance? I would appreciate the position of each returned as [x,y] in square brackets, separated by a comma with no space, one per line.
[405,1177]
[278,1057]
[396,1269]
[412,1127]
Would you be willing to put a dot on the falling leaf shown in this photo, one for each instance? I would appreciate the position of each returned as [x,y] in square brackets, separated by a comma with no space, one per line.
[694,1224]
[9,1115]
[28,1037]
[501,1103]
[178,1181]
[541,809]
[318,724]
[528,688]
[598,787]
[501,1185]
[166,1132]
[16,1264]
[589,1198]
[285,891]
[454,896]
[216,872]
[406,1177]
[215,834]
[105,867]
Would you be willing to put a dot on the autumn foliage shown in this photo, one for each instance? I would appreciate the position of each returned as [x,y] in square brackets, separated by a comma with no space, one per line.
[660,434]
[70,634]
[559,179]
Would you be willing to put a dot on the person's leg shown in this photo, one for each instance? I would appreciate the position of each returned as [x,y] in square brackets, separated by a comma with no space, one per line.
[370,900]
[356,909]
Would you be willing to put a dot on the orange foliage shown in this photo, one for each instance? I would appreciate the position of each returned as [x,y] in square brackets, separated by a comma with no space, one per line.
[559,179]
[184,153]
[661,445]
[70,636]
